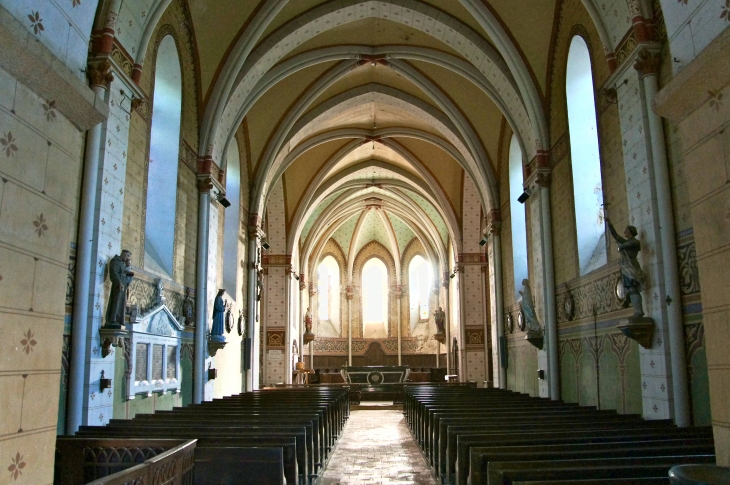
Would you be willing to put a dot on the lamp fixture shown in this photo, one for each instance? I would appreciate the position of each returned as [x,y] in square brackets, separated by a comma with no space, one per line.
[265,245]
[525,195]
[483,241]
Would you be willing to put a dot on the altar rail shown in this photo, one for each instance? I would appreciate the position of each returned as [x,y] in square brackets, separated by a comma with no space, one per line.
[101,461]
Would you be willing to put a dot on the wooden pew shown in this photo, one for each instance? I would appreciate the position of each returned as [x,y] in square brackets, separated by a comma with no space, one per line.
[268,463]
[596,468]
[468,462]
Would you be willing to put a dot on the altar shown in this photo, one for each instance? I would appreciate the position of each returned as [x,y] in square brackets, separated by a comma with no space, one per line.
[375,375]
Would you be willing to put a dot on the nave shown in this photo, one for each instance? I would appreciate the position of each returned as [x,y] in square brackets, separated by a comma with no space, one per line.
[377,448]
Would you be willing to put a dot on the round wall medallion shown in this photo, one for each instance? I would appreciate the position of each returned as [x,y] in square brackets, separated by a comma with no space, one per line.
[569,306]
[509,323]
[620,292]
[521,321]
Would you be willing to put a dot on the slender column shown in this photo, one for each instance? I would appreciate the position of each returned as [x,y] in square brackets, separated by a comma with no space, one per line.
[398,294]
[302,295]
[349,325]
[499,305]
[462,322]
[551,325]
[312,292]
[447,322]
[100,78]
[648,66]
[205,184]
[485,323]
[254,239]
[264,326]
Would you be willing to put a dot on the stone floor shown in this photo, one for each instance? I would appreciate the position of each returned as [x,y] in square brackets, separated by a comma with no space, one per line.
[377,448]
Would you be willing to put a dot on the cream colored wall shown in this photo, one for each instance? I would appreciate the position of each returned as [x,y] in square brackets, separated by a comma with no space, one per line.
[694,100]
[41,172]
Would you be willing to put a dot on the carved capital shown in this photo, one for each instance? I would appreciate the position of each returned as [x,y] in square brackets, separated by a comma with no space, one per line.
[205,185]
[543,178]
[647,63]
[100,73]
[494,222]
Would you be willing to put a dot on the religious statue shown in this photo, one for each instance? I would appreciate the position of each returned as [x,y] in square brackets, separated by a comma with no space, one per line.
[120,276]
[241,329]
[229,317]
[219,307]
[528,309]
[440,318]
[189,309]
[308,321]
[259,284]
[308,335]
[631,273]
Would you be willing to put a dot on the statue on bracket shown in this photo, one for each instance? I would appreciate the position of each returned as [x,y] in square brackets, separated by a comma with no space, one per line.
[217,340]
[527,305]
[189,309]
[241,328]
[631,273]
[308,335]
[637,327]
[440,319]
[120,276]
[113,331]
[229,316]
[219,307]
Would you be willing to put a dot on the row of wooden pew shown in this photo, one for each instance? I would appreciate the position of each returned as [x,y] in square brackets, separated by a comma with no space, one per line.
[278,436]
[490,436]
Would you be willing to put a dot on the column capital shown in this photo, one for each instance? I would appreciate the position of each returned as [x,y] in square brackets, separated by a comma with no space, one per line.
[538,173]
[205,184]
[302,282]
[100,74]
[350,293]
[647,62]
[494,222]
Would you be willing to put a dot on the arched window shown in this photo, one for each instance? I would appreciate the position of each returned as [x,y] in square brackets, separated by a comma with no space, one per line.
[587,186]
[375,299]
[328,291]
[164,147]
[419,288]
[517,214]
[232,220]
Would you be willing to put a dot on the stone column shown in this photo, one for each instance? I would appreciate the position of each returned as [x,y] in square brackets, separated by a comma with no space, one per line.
[647,64]
[697,100]
[101,77]
[494,250]
[537,180]
[350,294]
[447,320]
[105,241]
[647,188]
[255,236]
[205,185]
[460,286]
[398,293]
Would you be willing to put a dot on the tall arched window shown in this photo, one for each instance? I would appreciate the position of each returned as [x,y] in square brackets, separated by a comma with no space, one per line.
[164,147]
[517,214]
[232,220]
[587,186]
[328,292]
[375,299]
[419,288]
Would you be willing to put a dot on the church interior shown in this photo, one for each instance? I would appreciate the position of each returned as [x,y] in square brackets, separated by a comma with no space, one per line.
[204,199]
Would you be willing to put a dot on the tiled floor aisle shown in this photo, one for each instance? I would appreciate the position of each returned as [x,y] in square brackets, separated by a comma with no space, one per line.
[377,448]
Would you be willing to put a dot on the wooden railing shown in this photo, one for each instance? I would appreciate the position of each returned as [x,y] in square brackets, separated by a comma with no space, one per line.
[173,467]
[93,460]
